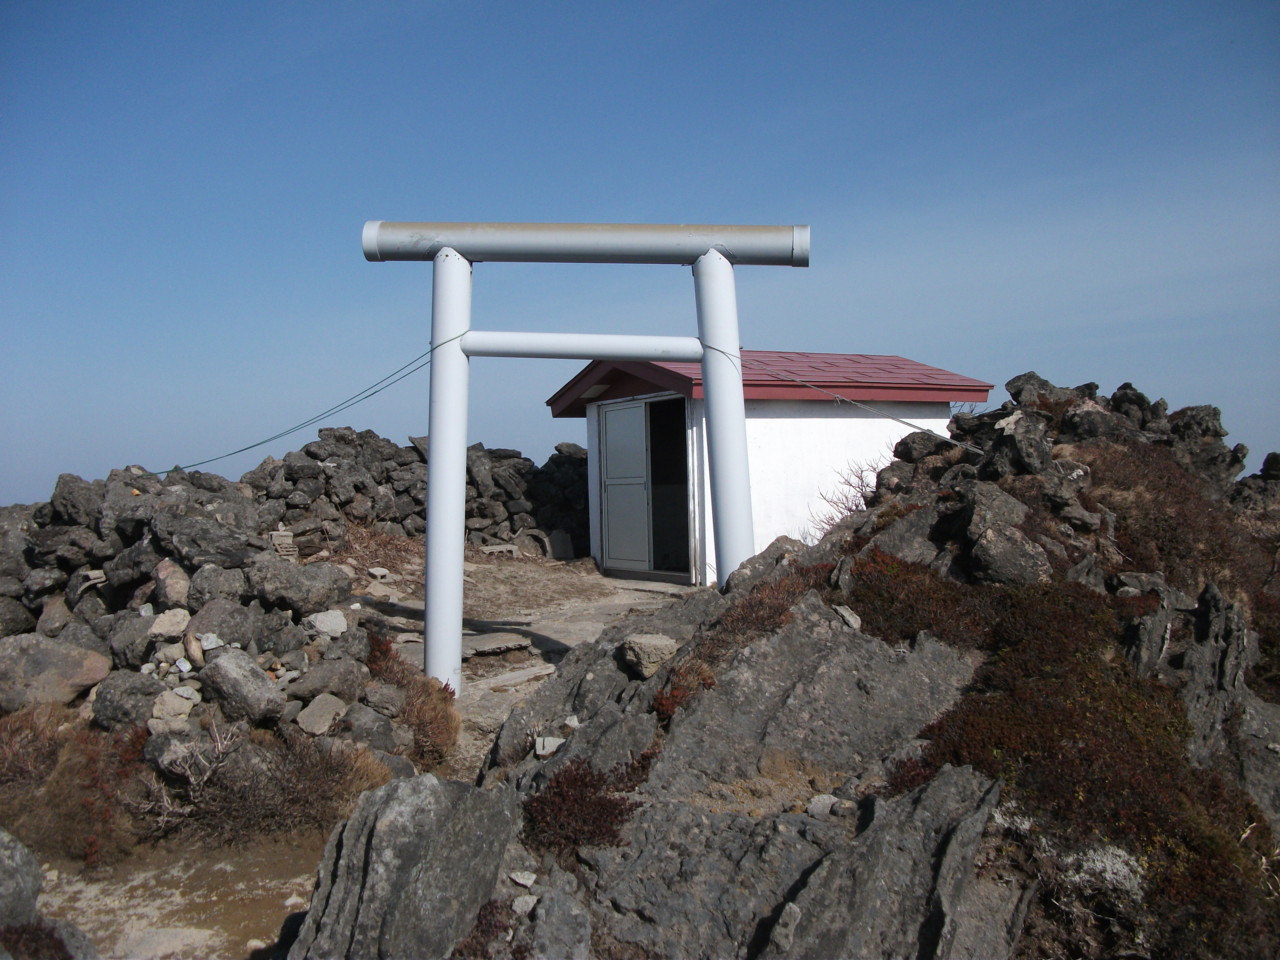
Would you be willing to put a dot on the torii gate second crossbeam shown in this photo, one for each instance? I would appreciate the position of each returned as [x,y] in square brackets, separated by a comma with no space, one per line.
[712,251]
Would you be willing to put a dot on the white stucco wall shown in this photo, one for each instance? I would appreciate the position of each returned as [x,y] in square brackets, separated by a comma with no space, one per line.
[797,451]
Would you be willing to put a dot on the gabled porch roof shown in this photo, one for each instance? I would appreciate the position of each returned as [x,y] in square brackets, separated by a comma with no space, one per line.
[774,375]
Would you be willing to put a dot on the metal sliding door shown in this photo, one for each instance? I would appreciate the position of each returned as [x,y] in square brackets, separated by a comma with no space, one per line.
[625,475]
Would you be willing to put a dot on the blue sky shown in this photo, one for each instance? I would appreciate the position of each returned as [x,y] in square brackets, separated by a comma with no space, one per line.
[1088,190]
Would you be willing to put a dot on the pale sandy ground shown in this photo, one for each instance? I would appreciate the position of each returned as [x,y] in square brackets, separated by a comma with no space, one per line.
[170,903]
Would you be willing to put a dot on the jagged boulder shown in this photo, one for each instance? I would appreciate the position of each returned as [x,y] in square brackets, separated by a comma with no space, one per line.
[242,688]
[407,873]
[302,589]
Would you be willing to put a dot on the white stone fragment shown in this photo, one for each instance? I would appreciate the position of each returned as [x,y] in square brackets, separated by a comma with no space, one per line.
[572,722]
[210,641]
[171,705]
[644,653]
[188,693]
[146,610]
[523,878]
[317,716]
[328,623]
[544,747]
[182,664]
[148,668]
[820,806]
[171,623]
[156,726]
[784,931]
[523,905]
[848,616]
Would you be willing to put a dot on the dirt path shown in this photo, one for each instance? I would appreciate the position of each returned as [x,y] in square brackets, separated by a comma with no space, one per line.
[173,902]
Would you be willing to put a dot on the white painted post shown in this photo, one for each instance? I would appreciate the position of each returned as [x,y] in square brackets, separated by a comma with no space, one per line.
[717,302]
[447,471]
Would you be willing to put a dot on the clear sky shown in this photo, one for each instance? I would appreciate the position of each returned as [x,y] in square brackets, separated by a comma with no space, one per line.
[1088,190]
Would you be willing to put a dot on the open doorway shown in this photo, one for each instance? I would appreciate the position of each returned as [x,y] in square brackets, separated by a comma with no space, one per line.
[645,488]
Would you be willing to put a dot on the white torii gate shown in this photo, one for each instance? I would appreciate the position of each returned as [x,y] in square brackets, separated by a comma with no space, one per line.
[453,247]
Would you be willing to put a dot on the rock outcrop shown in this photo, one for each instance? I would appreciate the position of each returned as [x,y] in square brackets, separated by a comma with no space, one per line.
[766,773]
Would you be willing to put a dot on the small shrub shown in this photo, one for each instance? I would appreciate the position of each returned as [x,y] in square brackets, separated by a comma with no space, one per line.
[429,710]
[667,701]
[685,681]
[855,487]
[249,786]
[767,606]
[431,716]
[892,514]
[578,808]
[1168,520]
[897,600]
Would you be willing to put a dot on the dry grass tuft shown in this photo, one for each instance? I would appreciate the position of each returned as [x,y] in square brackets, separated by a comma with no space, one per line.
[365,548]
[97,799]
[247,786]
[429,710]
[29,743]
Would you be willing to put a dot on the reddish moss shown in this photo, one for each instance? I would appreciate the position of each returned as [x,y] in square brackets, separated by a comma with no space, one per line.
[578,807]
[667,701]
[493,923]
[897,600]
[685,682]
[767,607]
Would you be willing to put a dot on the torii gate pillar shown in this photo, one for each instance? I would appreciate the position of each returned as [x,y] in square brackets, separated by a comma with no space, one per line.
[453,247]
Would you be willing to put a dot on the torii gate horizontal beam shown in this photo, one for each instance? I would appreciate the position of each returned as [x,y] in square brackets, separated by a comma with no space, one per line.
[588,242]
[580,346]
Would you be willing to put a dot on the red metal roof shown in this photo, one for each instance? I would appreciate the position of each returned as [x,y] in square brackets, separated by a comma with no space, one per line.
[774,375]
